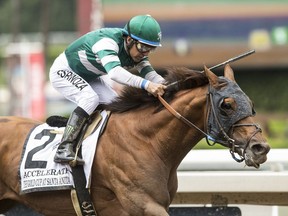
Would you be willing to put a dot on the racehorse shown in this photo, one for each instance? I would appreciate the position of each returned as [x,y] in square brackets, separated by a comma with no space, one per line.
[134,170]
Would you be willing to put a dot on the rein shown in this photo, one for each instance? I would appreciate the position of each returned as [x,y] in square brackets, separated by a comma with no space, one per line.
[179,116]
[228,142]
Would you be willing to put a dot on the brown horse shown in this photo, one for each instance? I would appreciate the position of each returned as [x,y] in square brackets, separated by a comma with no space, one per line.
[135,167]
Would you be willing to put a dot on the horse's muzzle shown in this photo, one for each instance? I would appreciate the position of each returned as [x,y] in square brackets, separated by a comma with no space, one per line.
[256,154]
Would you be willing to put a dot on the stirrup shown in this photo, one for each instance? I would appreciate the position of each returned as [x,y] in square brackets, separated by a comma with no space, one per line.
[72,162]
[66,156]
[76,161]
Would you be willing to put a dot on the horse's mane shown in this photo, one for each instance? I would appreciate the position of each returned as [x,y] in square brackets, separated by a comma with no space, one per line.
[132,98]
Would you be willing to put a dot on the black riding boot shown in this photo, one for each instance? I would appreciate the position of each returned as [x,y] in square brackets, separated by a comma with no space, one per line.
[65,152]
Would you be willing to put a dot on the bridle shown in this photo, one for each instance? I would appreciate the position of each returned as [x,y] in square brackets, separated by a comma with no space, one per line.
[226,141]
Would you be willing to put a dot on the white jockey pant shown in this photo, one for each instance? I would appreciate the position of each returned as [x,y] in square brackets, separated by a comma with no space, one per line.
[87,95]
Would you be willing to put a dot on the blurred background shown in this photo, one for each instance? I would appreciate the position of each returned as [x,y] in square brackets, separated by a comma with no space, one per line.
[195,33]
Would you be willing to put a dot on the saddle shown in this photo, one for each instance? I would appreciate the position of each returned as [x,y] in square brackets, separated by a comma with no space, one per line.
[94,120]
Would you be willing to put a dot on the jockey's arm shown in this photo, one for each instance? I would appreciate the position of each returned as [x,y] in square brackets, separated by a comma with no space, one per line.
[147,71]
[120,75]
[154,77]
[111,62]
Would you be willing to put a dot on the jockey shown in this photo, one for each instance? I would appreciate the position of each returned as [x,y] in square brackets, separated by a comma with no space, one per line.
[77,73]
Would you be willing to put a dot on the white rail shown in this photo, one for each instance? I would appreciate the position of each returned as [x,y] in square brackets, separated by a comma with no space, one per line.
[221,160]
[212,177]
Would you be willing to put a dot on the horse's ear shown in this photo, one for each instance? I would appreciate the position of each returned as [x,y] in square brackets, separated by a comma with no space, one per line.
[228,72]
[213,79]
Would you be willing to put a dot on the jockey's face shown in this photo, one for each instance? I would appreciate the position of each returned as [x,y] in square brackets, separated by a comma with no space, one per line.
[138,50]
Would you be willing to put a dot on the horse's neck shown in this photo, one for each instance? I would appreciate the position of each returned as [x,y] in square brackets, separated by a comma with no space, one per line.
[172,138]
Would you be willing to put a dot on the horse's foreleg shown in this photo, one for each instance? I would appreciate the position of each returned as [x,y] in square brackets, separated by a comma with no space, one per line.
[6,204]
[154,209]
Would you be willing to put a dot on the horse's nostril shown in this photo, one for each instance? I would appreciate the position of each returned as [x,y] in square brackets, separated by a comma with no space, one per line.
[260,149]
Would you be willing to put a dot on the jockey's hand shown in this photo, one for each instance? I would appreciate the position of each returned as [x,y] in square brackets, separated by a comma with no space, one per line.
[156,89]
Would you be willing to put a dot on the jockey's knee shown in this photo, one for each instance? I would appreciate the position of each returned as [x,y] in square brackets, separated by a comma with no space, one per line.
[89,104]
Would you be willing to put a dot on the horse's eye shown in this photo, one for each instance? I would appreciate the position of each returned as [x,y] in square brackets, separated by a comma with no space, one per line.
[225,105]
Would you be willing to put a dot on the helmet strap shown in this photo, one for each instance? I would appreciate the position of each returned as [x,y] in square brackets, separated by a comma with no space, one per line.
[130,42]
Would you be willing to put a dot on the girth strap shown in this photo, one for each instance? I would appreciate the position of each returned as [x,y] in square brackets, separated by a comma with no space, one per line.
[81,199]
[80,196]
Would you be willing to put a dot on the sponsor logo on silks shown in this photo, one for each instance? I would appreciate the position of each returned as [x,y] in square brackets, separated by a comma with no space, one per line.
[69,129]
[73,78]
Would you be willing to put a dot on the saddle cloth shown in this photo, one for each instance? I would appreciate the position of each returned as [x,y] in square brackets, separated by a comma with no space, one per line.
[39,172]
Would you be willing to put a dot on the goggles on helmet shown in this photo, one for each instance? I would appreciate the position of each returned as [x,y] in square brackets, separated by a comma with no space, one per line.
[143,48]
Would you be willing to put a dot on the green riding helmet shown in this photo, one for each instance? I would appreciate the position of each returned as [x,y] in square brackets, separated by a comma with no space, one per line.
[145,29]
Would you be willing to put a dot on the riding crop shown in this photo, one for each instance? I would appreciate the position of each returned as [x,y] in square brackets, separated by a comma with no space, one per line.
[221,64]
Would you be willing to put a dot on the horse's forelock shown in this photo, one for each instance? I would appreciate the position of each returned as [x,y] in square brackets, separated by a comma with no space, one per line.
[185,78]
[130,98]
[177,73]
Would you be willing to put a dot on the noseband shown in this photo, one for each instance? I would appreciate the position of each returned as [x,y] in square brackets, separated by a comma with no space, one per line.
[222,136]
